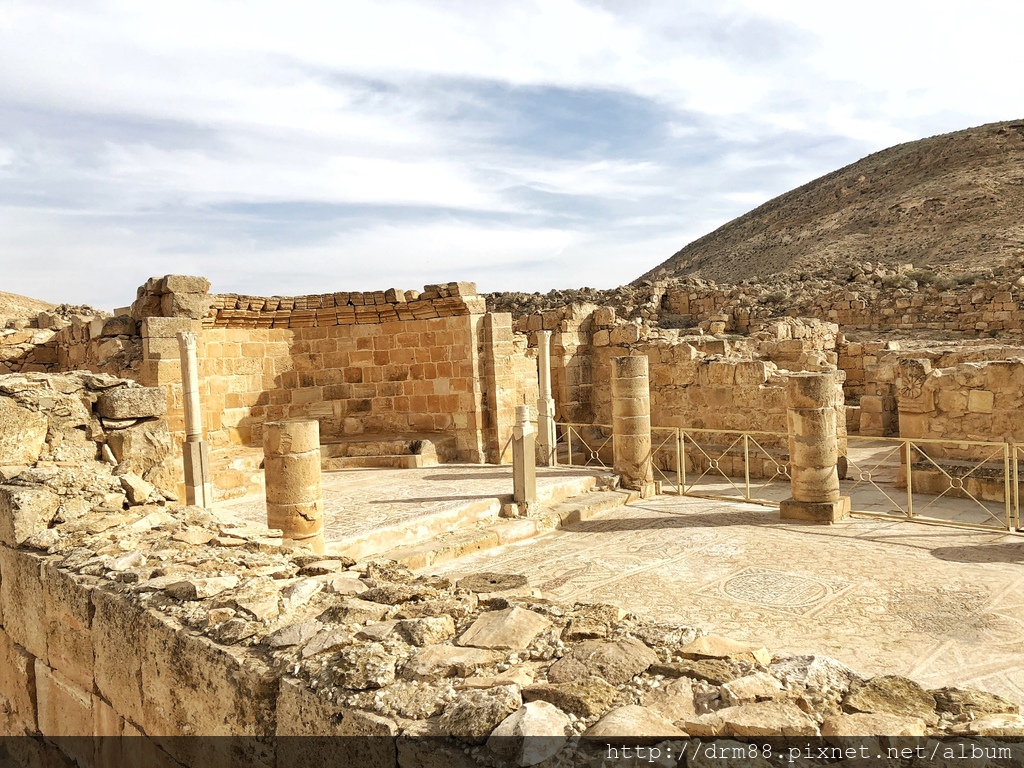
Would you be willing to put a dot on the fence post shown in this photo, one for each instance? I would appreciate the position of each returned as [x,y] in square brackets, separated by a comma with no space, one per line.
[813,450]
[631,423]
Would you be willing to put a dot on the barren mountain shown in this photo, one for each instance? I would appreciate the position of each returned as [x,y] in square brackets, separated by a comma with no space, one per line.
[21,307]
[953,202]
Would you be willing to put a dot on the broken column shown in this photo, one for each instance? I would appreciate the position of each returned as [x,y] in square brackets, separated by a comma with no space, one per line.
[545,403]
[524,459]
[295,502]
[631,423]
[813,450]
[198,490]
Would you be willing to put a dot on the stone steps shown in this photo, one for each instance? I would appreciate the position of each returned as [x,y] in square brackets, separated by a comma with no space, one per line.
[386,452]
[447,546]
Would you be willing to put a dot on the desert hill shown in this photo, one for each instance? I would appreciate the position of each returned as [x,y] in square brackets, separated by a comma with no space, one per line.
[13,306]
[953,202]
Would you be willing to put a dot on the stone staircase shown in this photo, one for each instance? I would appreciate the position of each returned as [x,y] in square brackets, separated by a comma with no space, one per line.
[483,527]
[391,452]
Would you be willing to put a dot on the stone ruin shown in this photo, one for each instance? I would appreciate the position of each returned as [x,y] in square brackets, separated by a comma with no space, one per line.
[124,612]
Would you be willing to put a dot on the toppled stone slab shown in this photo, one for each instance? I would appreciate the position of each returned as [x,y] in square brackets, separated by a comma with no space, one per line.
[673,701]
[200,588]
[428,630]
[714,671]
[25,512]
[583,698]
[633,725]
[891,695]
[767,718]
[746,690]
[22,433]
[132,403]
[955,701]
[864,724]
[993,727]
[531,734]
[492,582]
[448,661]
[718,647]
[617,662]
[509,629]
[475,713]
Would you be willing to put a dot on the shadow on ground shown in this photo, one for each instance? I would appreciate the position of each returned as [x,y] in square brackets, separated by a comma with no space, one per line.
[982,553]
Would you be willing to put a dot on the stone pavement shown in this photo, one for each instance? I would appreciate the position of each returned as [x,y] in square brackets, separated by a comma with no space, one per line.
[358,502]
[942,605]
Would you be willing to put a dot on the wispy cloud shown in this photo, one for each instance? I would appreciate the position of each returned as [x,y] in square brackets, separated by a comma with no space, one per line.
[294,147]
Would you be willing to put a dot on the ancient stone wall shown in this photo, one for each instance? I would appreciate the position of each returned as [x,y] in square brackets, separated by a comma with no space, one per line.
[163,622]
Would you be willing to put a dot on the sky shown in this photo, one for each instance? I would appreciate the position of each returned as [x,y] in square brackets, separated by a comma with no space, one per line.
[315,146]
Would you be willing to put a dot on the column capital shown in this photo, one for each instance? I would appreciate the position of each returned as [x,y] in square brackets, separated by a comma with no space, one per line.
[187,339]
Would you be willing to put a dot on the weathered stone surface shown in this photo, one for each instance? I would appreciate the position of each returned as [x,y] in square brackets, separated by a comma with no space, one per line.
[355,611]
[766,718]
[293,634]
[17,688]
[136,489]
[745,690]
[631,725]
[448,661]
[714,671]
[891,695]
[132,403]
[815,673]
[993,726]
[959,701]
[427,631]
[376,631]
[492,582]
[673,701]
[531,734]
[142,447]
[365,666]
[25,512]
[326,640]
[584,698]
[474,713]
[22,433]
[864,724]
[509,629]
[718,647]
[617,662]
[201,588]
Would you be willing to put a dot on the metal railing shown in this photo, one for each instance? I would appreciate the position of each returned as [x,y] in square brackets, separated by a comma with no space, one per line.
[919,479]
[584,445]
[964,483]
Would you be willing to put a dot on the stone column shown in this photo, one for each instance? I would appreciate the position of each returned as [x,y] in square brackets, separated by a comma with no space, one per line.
[198,490]
[813,450]
[545,402]
[524,462]
[295,502]
[631,423]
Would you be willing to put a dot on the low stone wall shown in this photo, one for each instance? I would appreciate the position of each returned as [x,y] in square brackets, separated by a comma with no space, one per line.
[161,622]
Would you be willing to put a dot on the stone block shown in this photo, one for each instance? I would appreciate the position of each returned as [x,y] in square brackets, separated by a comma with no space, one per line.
[24,512]
[68,605]
[190,685]
[165,327]
[122,325]
[64,710]
[301,712]
[815,512]
[132,403]
[117,640]
[186,305]
[184,284]
[21,593]
[22,433]
[980,401]
[17,688]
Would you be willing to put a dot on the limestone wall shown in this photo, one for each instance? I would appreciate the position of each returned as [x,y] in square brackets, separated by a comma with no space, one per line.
[983,308]
[156,623]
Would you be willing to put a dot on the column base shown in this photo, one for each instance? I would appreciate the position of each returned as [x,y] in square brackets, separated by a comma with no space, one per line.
[643,490]
[814,511]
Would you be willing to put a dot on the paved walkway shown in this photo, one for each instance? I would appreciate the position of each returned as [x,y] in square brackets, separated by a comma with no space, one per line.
[942,605]
[358,501]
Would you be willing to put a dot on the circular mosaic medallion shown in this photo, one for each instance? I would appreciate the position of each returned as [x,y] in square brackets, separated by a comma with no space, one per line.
[772,588]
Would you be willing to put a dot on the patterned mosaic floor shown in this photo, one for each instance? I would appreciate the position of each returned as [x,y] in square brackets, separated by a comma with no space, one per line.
[944,606]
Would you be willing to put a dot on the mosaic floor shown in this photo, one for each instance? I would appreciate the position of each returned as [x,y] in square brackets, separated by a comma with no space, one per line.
[942,605]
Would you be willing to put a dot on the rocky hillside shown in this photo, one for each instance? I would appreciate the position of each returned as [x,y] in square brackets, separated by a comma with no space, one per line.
[951,202]
[14,306]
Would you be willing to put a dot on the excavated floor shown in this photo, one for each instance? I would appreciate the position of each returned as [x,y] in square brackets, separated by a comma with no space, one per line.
[941,605]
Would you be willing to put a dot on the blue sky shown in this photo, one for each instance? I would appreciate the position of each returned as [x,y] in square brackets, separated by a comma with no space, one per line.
[322,146]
